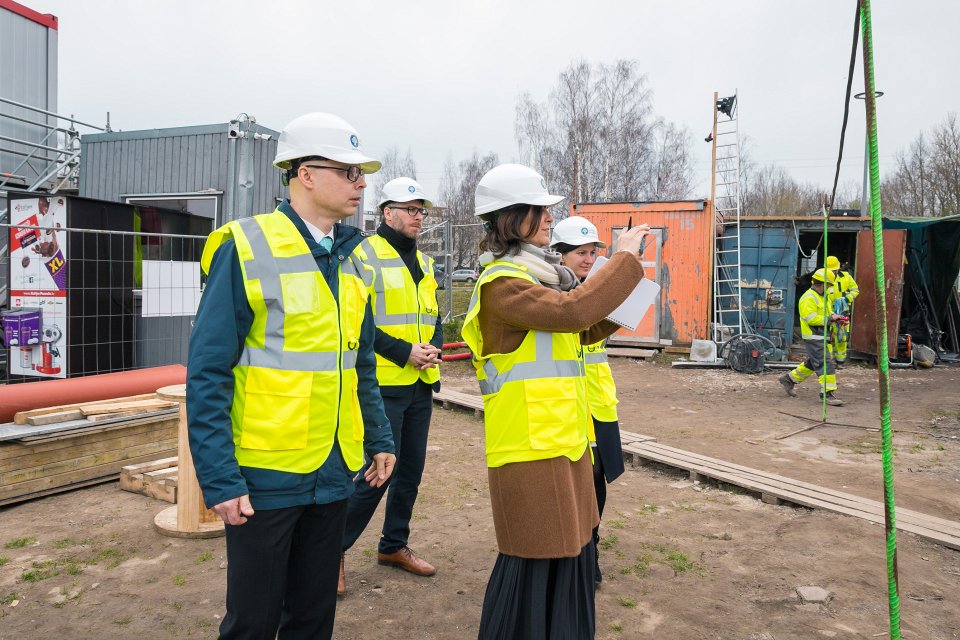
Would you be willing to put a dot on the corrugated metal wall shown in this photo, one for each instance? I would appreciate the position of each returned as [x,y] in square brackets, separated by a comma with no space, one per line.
[768,269]
[28,74]
[184,160]
[686,229]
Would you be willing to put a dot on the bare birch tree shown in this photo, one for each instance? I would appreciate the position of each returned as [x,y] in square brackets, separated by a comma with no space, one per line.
[596,137]
[457,187]
[926,181]
[394,166]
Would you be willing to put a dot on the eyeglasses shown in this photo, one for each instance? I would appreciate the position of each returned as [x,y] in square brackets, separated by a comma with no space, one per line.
[412,211]
[353,172]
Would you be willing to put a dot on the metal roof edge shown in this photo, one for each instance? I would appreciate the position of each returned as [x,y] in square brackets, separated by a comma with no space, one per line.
[170,132]
[45,19]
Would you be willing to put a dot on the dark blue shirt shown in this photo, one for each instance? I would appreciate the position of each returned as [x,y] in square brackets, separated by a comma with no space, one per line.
[223,321]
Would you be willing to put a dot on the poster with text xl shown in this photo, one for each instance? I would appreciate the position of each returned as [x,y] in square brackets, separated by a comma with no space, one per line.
[35,327]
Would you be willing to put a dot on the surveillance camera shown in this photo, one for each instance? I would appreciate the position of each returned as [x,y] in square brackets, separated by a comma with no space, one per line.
[233,129]
[261,136]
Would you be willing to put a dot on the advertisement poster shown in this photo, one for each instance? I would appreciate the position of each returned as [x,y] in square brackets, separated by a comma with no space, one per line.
[35,327]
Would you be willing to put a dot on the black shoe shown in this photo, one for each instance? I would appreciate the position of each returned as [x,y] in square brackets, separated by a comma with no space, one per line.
[832,400]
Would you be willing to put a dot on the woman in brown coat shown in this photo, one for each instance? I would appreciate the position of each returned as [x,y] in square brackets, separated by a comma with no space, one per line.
[526,325]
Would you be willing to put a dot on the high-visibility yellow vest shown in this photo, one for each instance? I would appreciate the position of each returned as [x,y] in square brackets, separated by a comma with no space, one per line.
[846,285]
[401,309]
[601,389]
[535,397]
[811,310]
[295,386]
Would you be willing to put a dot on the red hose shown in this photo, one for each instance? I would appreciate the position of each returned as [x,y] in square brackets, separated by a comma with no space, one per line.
[50,393]
[456,356]
[454,345]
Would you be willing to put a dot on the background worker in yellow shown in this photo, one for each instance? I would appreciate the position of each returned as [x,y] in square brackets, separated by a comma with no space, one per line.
[576,240]
[844,291]
[282,392]
[815,307]
[403,295]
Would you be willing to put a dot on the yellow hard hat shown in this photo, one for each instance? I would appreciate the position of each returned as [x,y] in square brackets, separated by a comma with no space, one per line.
[832,263]
[820,274]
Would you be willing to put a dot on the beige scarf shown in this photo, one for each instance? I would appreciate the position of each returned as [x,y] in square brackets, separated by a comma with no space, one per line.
[542,264]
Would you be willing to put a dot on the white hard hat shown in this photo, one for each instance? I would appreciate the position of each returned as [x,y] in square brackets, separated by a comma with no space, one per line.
[511,184]
[576,231]
[322,134]
[403,190]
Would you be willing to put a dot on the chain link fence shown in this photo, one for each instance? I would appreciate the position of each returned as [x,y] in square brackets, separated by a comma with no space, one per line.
[79,301]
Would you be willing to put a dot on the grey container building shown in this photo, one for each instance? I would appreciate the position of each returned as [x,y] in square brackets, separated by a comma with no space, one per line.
[28,75]
[220,171]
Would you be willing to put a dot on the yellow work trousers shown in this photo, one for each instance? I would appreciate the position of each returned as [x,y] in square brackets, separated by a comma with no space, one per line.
[814,364]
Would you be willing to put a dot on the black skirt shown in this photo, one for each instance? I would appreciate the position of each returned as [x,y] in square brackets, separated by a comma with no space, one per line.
[551,599]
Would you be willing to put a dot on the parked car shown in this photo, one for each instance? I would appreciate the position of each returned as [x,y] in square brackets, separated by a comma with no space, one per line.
[465,275]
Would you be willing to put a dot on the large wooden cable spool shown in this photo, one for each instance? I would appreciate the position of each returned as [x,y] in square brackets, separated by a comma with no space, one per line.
[189,518]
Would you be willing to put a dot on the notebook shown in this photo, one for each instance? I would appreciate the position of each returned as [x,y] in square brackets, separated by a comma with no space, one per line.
[629,314]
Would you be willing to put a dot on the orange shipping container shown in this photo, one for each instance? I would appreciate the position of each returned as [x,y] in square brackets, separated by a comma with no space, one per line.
[679,261]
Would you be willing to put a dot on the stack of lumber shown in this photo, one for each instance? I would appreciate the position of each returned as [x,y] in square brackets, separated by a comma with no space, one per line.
[157,479]
[58,448]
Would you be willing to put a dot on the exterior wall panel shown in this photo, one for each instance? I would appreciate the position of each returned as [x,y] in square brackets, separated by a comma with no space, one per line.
[28,74]
[685,277]
[183,160]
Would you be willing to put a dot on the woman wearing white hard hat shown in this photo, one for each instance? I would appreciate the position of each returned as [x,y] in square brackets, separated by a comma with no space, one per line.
[525,325]
[577,241]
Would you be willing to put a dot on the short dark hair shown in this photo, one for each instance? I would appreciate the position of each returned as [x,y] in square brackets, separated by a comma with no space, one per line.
[507,228]
[563,248]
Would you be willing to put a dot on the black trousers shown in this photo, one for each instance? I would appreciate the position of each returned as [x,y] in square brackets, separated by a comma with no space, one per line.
[282,567]
[607,463]
[409,408]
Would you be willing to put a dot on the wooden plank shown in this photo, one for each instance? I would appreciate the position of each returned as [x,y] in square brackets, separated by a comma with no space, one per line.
[153,465]
[66,481]
[814,491]
[17,476]
[13,454]
[676,349]
[21,416]
[51,418]
[10,431]
[116,407]
[927,526]
[459,398]
[624,352]
[101,417]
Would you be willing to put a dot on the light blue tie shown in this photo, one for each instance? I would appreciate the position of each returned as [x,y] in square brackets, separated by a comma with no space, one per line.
[326,242]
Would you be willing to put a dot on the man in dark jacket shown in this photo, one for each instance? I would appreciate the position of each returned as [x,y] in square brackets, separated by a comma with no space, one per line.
[403,294]
[282,393]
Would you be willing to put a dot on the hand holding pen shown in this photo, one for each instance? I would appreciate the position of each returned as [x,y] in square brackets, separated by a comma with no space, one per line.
[633,239]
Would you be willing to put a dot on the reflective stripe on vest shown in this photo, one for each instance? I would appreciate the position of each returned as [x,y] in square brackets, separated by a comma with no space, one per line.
[534,397]
[545,366]
[295,383]
[601,389]
[411,316]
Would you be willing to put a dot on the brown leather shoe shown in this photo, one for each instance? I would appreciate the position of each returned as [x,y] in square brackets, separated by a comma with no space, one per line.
[341,582]
[404,559]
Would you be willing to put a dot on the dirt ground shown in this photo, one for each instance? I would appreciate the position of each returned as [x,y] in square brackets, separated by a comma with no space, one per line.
[680,561]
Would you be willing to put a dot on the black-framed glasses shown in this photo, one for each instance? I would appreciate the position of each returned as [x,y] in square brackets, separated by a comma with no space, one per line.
[353,172]
[412,211]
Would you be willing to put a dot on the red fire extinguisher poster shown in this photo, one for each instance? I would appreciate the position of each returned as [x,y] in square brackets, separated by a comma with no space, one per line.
[35,327]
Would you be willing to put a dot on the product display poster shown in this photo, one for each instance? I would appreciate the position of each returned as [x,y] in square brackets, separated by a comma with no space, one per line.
[38,281]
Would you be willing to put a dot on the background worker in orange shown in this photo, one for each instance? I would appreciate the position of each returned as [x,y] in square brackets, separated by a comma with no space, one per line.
[409,338]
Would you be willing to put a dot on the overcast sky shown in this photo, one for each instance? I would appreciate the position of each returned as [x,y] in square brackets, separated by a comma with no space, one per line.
[442,78]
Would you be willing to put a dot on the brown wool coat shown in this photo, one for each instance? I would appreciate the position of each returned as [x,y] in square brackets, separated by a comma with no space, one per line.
[548,508]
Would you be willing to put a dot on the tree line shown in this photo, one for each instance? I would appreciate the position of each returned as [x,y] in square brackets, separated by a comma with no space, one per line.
[596,137]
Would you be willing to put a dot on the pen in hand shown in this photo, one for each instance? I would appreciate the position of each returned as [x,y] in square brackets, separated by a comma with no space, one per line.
[643,242]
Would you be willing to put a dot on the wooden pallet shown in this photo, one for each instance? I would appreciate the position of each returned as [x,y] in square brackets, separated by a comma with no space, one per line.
[630,352]
[449,398]
[775,489]
[156,479]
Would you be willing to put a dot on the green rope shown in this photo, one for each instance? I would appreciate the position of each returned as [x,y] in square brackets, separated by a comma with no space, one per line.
[826,316]
[883,356]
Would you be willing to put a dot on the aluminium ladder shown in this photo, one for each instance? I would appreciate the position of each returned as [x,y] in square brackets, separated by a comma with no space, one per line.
[725,192]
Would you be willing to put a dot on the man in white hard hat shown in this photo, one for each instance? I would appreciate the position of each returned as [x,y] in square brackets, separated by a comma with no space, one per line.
[403,295]
[282,393]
